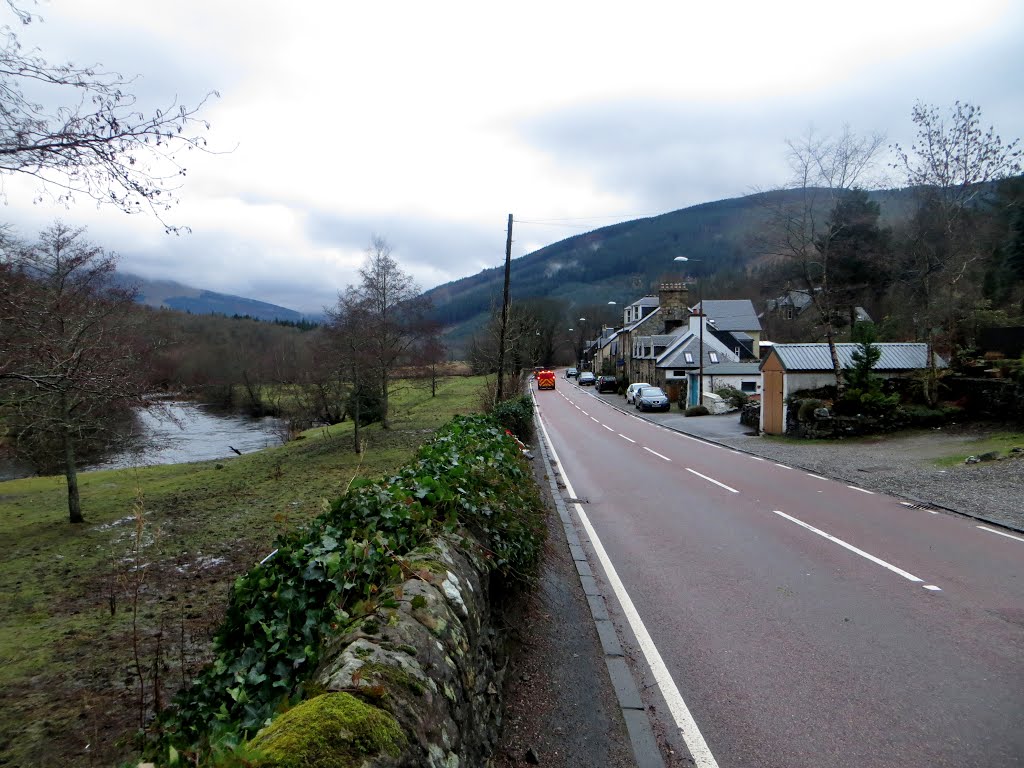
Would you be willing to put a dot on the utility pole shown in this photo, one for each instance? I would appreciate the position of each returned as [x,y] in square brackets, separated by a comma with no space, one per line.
[504,313]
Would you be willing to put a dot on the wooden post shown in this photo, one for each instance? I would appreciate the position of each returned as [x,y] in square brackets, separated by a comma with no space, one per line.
[504,314]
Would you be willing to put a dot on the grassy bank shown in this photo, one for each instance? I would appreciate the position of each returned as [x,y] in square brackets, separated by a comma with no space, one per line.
[99,623]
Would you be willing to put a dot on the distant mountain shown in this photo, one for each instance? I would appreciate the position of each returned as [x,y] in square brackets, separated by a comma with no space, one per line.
[173,295]
[624,261]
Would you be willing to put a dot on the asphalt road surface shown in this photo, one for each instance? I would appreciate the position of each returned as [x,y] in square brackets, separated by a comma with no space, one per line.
[783,619]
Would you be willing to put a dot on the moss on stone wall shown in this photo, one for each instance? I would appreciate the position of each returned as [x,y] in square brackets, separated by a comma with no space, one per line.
[334,730]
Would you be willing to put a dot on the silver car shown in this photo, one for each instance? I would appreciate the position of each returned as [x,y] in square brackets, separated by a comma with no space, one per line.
[652,399]
[632,389]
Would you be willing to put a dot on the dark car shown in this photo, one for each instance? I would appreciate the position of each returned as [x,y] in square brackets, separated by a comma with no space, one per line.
[607,384]
[652,399]
[571,373]
[586,379]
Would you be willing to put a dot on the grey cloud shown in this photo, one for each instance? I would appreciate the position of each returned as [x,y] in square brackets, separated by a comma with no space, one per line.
[674,154]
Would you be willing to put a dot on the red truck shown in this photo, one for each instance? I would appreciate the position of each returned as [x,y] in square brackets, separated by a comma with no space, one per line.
[545,379]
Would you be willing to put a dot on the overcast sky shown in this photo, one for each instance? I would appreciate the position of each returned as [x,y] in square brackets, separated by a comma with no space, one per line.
[428,123]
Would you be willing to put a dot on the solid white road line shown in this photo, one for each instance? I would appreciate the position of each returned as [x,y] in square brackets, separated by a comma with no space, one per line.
[666,458]
[1000,533]
[757,458]
[861,552]
[712,480]
[687,726]
[626,438]
[783,466]
[816,477]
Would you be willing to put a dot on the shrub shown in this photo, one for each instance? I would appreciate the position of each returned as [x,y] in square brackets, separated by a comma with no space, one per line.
[697,410]
[369,403]
[735,397]
[516,415]
[859,402]
[925,416]
[471,476]
[806,408]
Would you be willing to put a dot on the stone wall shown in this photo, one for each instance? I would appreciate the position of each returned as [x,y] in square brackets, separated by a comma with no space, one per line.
[433,661]
[998,399]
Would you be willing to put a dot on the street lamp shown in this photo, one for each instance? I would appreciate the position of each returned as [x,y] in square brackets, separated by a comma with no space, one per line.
[583,340]
[700,354]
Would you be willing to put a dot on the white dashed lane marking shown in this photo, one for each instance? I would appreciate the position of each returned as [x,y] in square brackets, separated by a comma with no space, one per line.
[712,480]
[877,560]
[626,438]
[666,458]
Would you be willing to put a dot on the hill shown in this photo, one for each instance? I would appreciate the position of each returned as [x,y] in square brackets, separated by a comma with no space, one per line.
[624,261]
[174,295]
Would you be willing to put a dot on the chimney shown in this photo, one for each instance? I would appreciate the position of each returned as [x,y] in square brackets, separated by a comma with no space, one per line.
[673,305]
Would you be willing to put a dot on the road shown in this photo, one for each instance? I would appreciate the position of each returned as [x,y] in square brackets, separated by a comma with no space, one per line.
[784,619]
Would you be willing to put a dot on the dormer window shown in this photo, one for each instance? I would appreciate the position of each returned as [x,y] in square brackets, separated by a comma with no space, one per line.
[688,356]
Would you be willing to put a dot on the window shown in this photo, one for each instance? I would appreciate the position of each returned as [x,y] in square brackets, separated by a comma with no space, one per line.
[688,356]
[788,313]
[748,386]
[679,374]
[713,356]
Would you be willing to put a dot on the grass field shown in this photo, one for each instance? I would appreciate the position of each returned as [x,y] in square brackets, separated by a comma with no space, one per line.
[101,622]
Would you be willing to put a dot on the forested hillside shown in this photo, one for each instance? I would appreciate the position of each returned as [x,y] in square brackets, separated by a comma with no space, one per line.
[722,239]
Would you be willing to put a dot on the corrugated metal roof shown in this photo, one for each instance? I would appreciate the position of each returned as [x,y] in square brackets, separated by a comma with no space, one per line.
[731,314]
[816,357]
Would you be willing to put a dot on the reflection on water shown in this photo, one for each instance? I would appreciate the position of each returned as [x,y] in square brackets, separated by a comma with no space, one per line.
[192,433]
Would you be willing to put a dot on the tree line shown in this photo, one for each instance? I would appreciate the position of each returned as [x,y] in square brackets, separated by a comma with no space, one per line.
[78,354]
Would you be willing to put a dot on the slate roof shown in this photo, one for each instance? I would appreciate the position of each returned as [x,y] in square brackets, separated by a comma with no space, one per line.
[732,369]
[731,314]
[645,301]
[816,357]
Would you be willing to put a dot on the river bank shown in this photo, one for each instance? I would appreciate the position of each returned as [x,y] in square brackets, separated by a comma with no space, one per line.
[160,549]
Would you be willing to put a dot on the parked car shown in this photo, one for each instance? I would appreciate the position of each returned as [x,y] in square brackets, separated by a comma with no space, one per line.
[652,399]
[587,379]
[632,389]
[571,373]
[607,384]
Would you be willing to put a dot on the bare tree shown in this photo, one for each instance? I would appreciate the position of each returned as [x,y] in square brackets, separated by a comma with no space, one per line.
[71,357]
[78,131]
[396,315]
[803,227]
[353,352]
[951,167]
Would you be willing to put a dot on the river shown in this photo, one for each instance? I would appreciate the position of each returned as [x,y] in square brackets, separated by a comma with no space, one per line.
[195,433]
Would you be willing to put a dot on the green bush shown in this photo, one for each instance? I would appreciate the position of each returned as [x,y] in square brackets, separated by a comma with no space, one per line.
[369,403]
[925,416]
[873,403]
[697,410]
[516,415]
[323,577]
[735,397]
[806,408]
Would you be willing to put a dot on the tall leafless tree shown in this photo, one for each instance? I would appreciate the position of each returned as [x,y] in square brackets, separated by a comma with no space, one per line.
[78,131]
[396,315]
[951,167]
[71,355]
[801,228]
